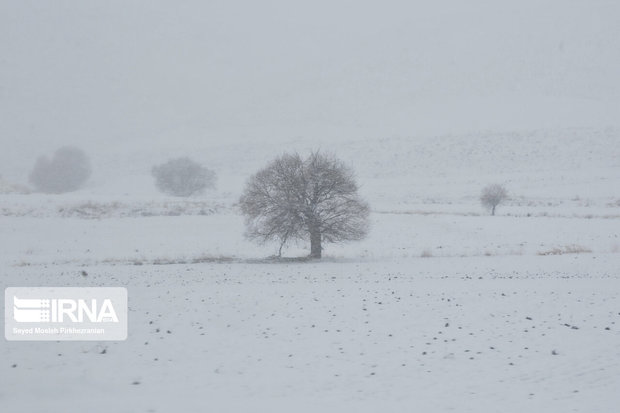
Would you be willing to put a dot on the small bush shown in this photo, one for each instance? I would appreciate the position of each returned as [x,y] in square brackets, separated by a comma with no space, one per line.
[67,171]
[182,177]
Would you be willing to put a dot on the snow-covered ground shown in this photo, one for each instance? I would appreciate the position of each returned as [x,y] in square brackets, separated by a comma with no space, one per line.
[426,334]
[442,308]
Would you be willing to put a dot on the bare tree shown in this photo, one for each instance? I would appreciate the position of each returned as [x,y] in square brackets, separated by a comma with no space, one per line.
[66,171]
[182,177]
[492,196]
[311,199]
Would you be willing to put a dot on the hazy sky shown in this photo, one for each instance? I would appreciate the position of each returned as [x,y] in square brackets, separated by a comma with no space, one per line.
[115,71]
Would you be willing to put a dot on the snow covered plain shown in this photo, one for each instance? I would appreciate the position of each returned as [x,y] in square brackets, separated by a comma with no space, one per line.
[442,308]
[449,334]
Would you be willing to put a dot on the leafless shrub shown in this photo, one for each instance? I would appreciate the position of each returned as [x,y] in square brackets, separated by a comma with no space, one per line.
[492,196]
[567,249]
[22,263]
[311,199]
[90,210]
[169,261]
[182,177]
[67,171]
[114,209]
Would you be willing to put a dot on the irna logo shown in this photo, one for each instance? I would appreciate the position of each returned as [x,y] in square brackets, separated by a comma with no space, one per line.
[34,310]
[65,313]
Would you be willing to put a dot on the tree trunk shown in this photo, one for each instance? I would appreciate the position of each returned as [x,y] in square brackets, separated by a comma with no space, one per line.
[493,210]
[315,244]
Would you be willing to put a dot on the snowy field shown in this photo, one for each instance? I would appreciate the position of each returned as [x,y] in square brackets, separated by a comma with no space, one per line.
[430,334]
[442,308]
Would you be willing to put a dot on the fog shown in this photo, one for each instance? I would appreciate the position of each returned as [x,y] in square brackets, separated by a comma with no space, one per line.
[104,75]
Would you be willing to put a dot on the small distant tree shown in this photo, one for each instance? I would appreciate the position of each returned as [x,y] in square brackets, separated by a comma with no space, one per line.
[311,199]
[66,171]
[492,196]
[182,177]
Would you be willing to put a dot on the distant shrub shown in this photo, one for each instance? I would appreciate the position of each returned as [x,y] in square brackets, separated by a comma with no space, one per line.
[66,171]
[426,254]
[567,249]
[182,177]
